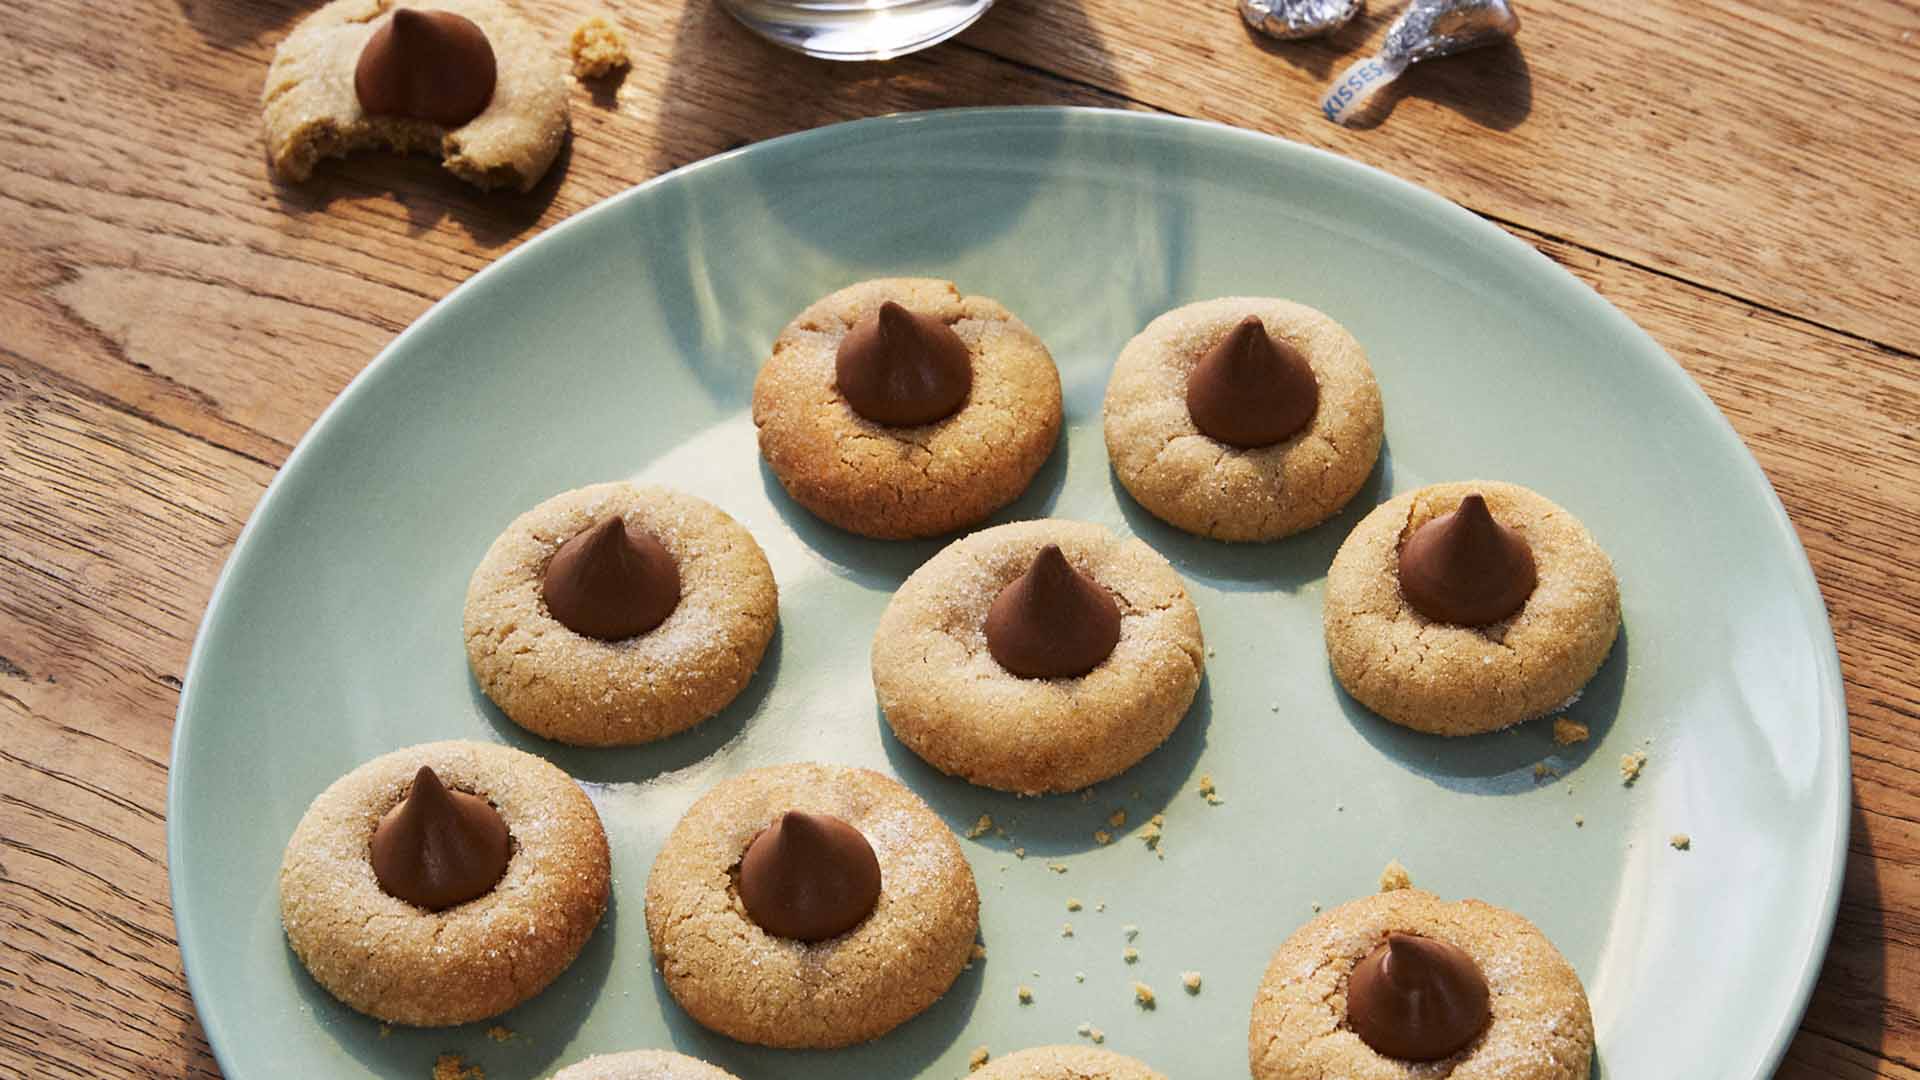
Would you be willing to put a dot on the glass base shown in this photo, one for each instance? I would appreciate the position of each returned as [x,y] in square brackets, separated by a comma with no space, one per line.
[846,30]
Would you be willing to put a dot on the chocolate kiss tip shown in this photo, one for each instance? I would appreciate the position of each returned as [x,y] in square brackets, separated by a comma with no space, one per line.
[611,582]
[1250,391]
[809,877]
[1417,998]
[902,369]
[1466,568]
[426,65]
[1052,622]
[438,848]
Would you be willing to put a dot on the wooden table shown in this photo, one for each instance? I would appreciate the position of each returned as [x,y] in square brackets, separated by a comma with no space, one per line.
[1740,178]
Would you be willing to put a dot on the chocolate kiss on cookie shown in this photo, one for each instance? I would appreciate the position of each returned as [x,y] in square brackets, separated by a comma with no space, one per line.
[903,369]
[439,848]
[611,582]
[1466,568]
[1417,999]
[809,877]
[1052,622]
[426,65]
[1250,390]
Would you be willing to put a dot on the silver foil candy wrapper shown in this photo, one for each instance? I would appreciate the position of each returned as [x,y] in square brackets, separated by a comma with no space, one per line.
[1428,28]
[1290,20]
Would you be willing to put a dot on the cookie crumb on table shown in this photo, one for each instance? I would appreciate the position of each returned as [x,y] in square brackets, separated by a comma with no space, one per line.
[1681,841]
[1190,980]
[1630,766]
[1394,877]
[1143,995]
[1025,994]
[597,48]
[455,1067]
[981,827]
[977,1059]
[1568,731]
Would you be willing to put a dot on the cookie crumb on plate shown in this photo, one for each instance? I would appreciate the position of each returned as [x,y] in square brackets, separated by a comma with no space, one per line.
[1073,904]
[1025,993]
[1130,954]
[1630,766]
[1143,995]
[1568,731]
[1681,841]
[981,827]
[1394,877]
[977,1059]
[1190,980]
[1208,791]
[455,1067]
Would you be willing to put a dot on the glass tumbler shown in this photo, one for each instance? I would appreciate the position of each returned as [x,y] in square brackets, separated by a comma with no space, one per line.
[856,29]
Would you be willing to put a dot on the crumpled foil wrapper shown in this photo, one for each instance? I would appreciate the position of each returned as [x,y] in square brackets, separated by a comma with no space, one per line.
[1291,20]
[1427,29]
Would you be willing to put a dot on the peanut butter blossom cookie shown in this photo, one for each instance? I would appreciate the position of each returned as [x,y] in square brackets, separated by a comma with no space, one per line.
[642,1065]
[810,906]
[899,408]
[444,883]
[1041,656]
[619,614]
[1066,1063]
[1243,418]
[467,80]
[1468,607]
[1403,984]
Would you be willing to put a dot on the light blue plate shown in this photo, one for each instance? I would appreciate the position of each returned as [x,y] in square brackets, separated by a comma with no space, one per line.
[624,342]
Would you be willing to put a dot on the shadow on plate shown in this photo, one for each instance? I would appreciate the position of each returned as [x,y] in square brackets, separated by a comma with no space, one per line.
[907,1050]
[1061,824]
[633,764]
[1501,762]
[881,565]
[1287,565]
[541,1027]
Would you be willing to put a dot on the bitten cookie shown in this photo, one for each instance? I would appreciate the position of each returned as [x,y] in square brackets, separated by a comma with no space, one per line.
[311,109]
[910,477]
[566,685]
[643,1065]
[1066,1063]
[402,963]
[953,702]
[743,981]
[1452,679]
[1247,488]
[1535,1025]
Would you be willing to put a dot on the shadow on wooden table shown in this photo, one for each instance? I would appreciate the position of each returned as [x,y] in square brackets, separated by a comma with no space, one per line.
[1492,87]
[235,22]
[427,193]
[725,87]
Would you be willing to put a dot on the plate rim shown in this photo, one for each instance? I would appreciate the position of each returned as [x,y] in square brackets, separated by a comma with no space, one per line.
[1831,689]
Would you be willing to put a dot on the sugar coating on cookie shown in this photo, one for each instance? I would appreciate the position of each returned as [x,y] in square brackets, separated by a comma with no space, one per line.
[950,702]
[310,110]
[1215,490]
[642,1065]
[1067,1063]
[589,692]
[405,965]
[900,482]
[1541,1026]
[735,978]
[1461,680]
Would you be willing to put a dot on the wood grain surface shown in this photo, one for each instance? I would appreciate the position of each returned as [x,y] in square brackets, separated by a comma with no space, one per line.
[1739,178]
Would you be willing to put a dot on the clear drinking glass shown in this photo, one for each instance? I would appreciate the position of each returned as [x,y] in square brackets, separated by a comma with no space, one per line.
[856,29]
